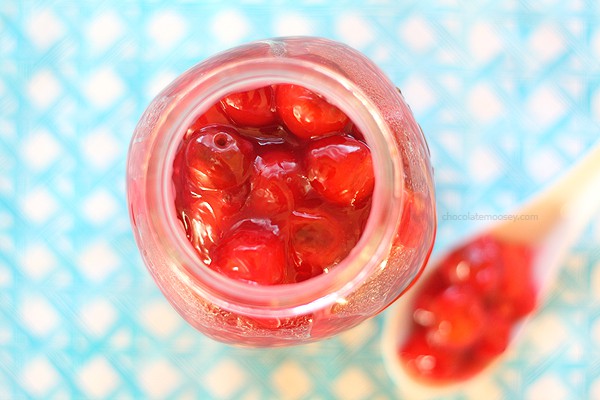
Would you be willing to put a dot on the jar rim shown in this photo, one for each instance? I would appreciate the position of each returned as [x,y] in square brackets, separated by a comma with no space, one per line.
[284,300]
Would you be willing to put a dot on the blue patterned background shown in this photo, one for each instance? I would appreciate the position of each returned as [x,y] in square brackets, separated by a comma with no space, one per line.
[507,92]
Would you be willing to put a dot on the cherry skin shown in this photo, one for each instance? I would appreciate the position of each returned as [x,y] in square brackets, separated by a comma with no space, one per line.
[306,114]
[217,157]
[318,242]
[495,338]
[518,290]
[214,115]
[252,252]
[431,288]
[269,196]
[340,168]
[254,108]
[429,363]
[278,182]
[477,265]
[203,224]
[284,165]
[458,318]
[205,213]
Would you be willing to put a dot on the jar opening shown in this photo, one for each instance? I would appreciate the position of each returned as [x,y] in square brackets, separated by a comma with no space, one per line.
[369,253]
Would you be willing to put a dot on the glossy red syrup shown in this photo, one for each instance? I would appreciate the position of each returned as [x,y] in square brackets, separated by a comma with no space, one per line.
[463,315]
[273,185]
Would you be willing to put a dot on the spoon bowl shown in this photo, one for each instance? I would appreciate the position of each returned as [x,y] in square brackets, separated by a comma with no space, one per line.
[549,223]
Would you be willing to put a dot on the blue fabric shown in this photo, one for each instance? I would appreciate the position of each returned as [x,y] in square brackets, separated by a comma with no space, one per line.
[507,92]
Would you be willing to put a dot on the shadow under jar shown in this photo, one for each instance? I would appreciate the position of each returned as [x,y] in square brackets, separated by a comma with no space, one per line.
[396,236]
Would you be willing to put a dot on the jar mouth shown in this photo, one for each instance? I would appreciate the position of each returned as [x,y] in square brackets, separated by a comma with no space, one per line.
[372,249]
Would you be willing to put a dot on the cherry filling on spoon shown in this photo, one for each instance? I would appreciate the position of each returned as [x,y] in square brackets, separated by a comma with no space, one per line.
[464,313]
[273,185]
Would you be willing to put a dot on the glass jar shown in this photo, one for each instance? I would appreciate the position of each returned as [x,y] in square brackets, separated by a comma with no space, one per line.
[398,236]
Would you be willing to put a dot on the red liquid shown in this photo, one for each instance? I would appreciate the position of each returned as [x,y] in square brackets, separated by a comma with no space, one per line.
[465,311]
[273,185]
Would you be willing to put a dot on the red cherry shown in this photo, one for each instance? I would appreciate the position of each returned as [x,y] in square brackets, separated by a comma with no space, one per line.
[252,251]
[485,267]
[278,182]
[214,115]
[458,318]
[494,341]
[495,337]
[306,114]
[476,264]
[517,291]
[284,165]
[204,214]
[202,223]
[225,203]
[217,157]
[318,242]
[340,169]
[521,303]
[269,196]
[431,288]
[429,363]
[179,170]
[253,108]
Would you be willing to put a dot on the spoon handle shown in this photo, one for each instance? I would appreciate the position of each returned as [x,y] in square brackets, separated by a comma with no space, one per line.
[571,200]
